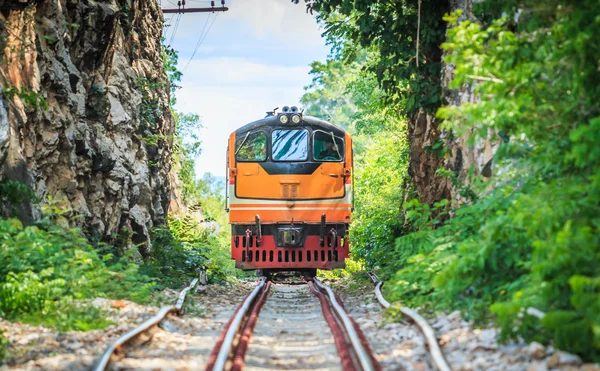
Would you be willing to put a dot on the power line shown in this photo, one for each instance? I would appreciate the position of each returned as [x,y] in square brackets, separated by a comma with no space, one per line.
[175,29]
[166,26]
[182,9]
[200,42]
[195,10]
[201,36]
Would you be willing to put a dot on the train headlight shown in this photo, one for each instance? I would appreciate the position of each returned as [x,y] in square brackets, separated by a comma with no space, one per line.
[296,119]
[283,119]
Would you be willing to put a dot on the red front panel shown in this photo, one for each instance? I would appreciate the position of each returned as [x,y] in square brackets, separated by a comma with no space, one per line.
[268,255]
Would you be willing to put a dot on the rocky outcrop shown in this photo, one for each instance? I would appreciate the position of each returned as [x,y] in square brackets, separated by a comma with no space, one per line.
[85,119]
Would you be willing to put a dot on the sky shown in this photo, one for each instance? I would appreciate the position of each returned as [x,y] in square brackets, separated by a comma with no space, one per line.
[255,57]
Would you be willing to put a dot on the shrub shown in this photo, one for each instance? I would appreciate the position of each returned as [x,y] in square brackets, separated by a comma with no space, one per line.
[184,246]
[534,241]
[44,269]
[380,172]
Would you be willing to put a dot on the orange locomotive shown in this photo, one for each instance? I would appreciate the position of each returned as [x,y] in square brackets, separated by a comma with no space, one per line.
[289,193]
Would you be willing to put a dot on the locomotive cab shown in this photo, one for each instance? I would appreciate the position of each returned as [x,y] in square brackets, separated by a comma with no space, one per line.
[289,193]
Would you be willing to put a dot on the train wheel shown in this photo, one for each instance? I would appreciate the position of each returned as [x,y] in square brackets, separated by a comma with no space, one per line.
[264,273]
[312,272]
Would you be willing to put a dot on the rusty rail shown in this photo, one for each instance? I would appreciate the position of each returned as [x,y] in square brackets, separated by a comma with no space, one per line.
[428,332]
[336,330]
[104,359]
[246,334]
[249,308]
[357,341]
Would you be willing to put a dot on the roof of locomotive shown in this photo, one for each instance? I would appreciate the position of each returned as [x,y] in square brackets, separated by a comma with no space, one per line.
[273,121]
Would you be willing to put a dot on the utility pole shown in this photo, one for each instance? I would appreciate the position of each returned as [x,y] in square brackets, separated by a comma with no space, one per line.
[184,10]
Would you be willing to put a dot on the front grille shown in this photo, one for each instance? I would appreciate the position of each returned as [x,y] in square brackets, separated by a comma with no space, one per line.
[289,191]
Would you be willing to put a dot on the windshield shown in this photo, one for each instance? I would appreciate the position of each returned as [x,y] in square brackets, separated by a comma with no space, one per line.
[325,149]
[290,145]
[251,147]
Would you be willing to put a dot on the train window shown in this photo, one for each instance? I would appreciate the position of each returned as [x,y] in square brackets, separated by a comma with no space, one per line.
[289,145]
[251,147]
[326,149]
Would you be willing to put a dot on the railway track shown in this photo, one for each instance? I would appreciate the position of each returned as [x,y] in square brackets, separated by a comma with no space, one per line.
[434,349]
[302,325]
[301,342]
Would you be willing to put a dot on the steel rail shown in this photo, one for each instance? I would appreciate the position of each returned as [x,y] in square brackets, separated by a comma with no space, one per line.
[434,348]
[361,353]
[183,292]
[362,337]
[336,330]
[235,326]
[104,359]
[247,330]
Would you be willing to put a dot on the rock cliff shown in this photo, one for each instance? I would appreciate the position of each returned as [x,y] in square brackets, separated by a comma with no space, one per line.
[85,116]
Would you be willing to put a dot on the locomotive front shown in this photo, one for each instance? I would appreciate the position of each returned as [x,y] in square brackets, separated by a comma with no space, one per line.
[289,193]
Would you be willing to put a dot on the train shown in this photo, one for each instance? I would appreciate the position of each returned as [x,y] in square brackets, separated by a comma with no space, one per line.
[289,193]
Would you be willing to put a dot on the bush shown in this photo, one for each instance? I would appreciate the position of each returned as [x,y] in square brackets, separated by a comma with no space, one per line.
[380,172]
[44,269]
[534,240]
[184,246]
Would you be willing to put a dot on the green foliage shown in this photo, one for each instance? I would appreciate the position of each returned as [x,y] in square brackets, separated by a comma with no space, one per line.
[29,97]
[347,94]
[389,29]
[531,239]
[179,251]
[154,139]
[46,268]
[186,147]
[169,59]
[354,268]
[151,107]
[13,193]
[74,26]
[380,173]
[185,246]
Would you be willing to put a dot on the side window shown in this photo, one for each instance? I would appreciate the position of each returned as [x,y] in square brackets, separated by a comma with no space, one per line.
[326,149]
[289,145]
[251,147]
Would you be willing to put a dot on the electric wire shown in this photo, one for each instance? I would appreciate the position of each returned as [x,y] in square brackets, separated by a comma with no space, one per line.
[200,41]
[201,35]
[175,29]
[166,26]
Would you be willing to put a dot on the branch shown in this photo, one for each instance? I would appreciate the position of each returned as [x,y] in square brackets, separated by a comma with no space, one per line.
[483,78]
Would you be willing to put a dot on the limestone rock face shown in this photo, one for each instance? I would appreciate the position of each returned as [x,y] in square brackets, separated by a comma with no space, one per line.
[103,145]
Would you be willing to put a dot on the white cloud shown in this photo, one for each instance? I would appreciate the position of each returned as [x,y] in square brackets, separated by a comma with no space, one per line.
[279,18]
[237,71]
